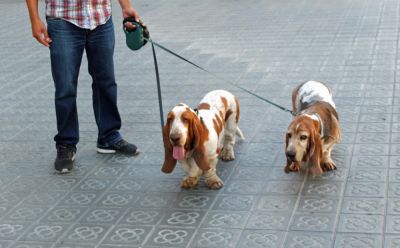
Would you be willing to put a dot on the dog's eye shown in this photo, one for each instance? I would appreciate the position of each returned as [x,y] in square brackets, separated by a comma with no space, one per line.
[185,120]
[289,135]
[303,137]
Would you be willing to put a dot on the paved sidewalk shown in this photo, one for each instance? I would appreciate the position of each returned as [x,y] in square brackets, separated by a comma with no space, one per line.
[267,46]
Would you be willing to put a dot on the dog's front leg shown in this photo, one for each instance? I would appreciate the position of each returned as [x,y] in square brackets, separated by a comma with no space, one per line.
[191,180]
[327,163]
[212,179]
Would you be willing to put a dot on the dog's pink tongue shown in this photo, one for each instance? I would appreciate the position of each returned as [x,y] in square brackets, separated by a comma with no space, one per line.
[178,152]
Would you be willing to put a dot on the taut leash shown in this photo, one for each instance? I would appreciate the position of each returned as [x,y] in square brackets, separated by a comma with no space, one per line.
[136,38]
[153,43]
[158,87]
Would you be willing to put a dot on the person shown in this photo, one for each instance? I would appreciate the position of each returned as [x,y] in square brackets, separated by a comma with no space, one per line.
[75,26]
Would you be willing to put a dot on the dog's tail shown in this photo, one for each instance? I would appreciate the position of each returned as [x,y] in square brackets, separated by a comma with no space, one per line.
[239,133]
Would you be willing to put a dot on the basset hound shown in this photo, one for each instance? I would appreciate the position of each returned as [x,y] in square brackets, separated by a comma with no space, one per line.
[314,130]
[197,138]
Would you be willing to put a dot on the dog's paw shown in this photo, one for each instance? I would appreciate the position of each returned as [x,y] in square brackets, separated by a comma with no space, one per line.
[215,183]
[328,166]
[228,155]
[189,182]
[292,167]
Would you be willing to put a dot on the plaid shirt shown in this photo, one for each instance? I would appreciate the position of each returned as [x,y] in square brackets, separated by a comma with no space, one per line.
[86,14]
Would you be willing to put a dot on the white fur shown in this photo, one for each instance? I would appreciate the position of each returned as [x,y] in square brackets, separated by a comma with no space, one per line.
[226,138]
[313,91]
[177,127]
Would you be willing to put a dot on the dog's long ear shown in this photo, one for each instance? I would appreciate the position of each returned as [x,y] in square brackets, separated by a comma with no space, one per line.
[288,162]
[286,141]
[314,153]
[199,134]
[169,161]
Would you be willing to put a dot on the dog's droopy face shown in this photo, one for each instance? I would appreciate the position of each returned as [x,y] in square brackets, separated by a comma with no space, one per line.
[300,139]
[183,133]
[178,119]
[182,130]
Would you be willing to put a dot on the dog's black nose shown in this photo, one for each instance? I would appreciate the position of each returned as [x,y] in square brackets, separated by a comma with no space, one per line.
[291,155]
[175,138]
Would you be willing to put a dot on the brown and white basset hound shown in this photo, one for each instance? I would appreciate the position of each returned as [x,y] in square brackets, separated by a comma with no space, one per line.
[314,130]
[198,138]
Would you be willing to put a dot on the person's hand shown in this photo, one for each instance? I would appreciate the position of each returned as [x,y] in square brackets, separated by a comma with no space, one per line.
[39,31]
[130,12]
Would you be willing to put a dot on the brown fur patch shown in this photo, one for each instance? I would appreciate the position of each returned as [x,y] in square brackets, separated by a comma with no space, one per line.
[218,124]
[170,116]
[197,136]
[169,161]
[295,92]
[203,105]
[222,114]
[225,102]
[228,114]
[237,109]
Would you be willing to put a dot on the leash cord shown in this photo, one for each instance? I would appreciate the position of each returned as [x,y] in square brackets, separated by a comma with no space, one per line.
[158,86]
[153,43]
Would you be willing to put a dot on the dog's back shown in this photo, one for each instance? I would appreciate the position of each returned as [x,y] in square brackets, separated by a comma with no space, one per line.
[309,93]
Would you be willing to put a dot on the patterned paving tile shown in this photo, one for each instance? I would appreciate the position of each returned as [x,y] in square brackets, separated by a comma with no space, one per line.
[127,235]
[64,214]
[365,189]
[323,188]
[234,202]
[357,240]
[269,220]
[276,203]
[224,219]
[216,238]
[45,232]
[356,205]
[313,222]
[318,204]
[308,239]
[361,223]
[12,230]
[170,237]
[260,239]
[82,233]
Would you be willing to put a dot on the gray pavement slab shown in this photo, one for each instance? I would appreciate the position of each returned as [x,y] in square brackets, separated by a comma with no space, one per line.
[267,46]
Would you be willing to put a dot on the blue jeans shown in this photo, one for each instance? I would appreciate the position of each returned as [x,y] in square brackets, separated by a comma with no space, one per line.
[66,51]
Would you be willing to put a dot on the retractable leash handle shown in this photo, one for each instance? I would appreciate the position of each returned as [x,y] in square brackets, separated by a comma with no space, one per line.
[136,39]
